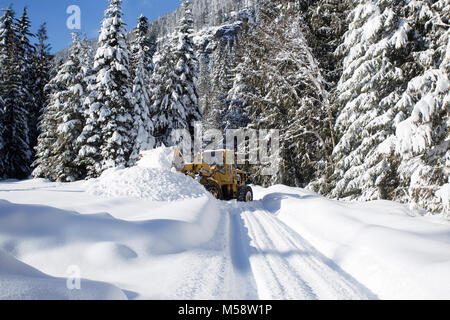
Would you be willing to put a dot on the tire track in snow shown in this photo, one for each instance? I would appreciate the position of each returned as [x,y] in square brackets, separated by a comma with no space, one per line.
[283,264]
[244,282]
[275,277]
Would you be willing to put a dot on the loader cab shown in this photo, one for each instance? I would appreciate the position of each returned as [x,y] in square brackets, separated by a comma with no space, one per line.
[222,160]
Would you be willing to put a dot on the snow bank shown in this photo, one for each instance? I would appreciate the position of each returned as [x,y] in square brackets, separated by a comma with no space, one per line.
[444,194]
[153,178]
[19,281]
[139,257]
[159,158]
[146,183]
[394,254]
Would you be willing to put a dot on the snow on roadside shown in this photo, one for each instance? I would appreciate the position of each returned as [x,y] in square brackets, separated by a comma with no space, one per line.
[160,158]
[146,183]
[19,281]
[146,230]
[392,253]
[153,178]
[146,258]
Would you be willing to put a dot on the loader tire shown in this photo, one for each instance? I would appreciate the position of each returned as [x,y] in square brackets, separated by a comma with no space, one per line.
[214,190]
[245,194]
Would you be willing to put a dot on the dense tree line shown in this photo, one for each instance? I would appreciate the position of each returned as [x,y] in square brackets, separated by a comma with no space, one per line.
[103,111]
[359,91]
[25,68]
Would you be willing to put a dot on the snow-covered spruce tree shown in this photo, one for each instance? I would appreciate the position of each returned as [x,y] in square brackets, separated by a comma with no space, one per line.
[142,54]
[375,48]
[27,54]
[423,116]
[167,111]
[64,121]
[175,102]
[2,143]
[86,62]
[41,77]
[235,113]
[204,86]
[288,93]
[143,46]
[48,128]
[108,136]
[326,20]
[186,69]
[16,150]
[86,59]
[221,84]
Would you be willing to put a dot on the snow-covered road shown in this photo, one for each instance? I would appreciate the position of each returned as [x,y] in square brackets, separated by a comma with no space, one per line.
[280,263]
[288,244]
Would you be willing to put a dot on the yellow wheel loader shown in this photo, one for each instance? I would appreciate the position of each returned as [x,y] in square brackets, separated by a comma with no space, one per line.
[217,171]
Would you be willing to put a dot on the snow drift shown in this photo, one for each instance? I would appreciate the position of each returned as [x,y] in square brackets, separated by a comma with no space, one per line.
[122,253]
[160,158]
[153,179]
[19,281]
[152,212]
[381,243]
[146,183]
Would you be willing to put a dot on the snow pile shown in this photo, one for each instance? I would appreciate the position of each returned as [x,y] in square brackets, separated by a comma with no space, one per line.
[159,158]
[153,178]
[394,254]
[146,183]
[19,281]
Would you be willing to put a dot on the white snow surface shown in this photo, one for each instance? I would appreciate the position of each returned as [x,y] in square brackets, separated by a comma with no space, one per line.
[160,158]
[153,178]
[288,244]
[20,281]
[146,183]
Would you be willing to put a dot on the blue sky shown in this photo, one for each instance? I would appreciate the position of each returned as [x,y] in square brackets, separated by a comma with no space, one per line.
[54,13]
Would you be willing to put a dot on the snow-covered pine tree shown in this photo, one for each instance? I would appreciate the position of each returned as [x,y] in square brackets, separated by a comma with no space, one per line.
[68,116]
[107,137]
[235,113]
[175,102]
[160,92]
[186,68]
[326,20]
[221,84]
[288,93]
[16,150]
[143,45]
[63,122]
[375,48]
[27,52]
[2,143]
[27,56]
[423,116]
[42,74]
[142,54]
[204,85]
[86,61]
[48,128]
